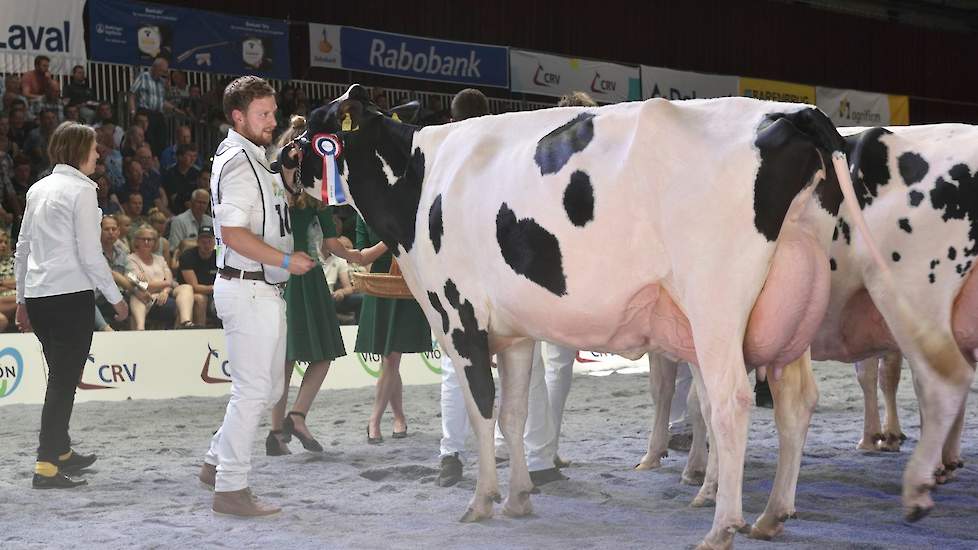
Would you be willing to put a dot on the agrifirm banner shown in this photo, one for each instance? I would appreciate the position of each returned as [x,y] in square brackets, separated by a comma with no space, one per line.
[135,33]
[42,27]
[855,108]
[673,84]
[369,51]
[775,90]
[554,75]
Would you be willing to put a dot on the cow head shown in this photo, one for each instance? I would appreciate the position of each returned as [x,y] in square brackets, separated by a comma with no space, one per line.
[373,163]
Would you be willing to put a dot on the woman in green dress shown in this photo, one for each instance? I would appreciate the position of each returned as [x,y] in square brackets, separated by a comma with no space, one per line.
[313,332]
[388,327]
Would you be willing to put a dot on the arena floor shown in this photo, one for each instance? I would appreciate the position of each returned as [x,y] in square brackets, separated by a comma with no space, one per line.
[143,492]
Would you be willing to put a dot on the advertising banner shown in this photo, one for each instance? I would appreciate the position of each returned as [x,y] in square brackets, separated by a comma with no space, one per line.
[135,33]
[673,84]
[369,51]
[554,75]
[42,27]
[775,90]
[855,108]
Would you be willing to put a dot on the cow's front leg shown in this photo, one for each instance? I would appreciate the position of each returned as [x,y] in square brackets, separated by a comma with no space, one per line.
[889,376]
[662,386]
[866,373]
[477,385]
[795,396]
[696,463]
[515,365]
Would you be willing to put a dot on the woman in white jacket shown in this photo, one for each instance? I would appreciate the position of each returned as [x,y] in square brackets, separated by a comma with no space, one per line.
[58,264]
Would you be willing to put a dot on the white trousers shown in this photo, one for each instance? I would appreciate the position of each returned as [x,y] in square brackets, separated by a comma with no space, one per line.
[253,314]
[559,362]
[677,411]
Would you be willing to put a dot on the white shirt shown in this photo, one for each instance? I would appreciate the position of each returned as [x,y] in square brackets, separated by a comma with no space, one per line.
[59,250]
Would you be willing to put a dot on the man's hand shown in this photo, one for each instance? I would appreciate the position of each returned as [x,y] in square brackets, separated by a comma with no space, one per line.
[121,310]
[22,320]
[300,263]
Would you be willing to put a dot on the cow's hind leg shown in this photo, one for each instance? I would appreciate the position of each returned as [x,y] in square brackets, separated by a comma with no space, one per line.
[514,377]
[951,454]
[795,396]
[662,386]
[866,373]
[707,495]
[696,463]
[889,375]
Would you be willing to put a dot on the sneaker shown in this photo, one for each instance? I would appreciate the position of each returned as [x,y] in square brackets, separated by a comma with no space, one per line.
[451,471]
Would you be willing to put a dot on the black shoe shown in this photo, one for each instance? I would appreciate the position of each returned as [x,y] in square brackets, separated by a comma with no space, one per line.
[76,462]
[59,480]
[308,443]
[681,442]
[762,395]
[451,471]
[373,440]
[542,477]
[399,435]
[275,446]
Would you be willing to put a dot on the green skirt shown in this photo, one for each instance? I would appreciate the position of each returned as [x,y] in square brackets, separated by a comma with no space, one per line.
[388,325]
[313,330]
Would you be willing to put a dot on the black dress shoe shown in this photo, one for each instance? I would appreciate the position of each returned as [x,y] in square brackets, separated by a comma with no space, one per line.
[76,462]
[308,443]
[59,480]
[542,477]
[399,435]
[374,440]
[762,395]
[275,446]
[451,471]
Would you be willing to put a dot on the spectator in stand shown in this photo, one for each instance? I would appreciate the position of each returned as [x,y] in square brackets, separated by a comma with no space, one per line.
[20,127]
[110,155]
[204,180]
[198,267]
[152,179]
[125,225]
[134,139]
[196,107]
[181,179]
[10,148]
[133,207]
[80,94]
[22,179]
[8,283]
[35,84]
[157,220]
[72,114]
[6,174]
[104,116]
[106,203]
[13,93]
[168,157]
[50,101]
[165,299]
[36,145]
[118,261]
[188,224]
[135,185]
[178,91]
[147,95]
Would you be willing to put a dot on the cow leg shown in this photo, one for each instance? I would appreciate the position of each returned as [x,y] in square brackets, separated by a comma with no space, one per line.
[951,454]
[662,386]
[514,378]
[696,463]
[889,371]
[795,396]
[866,373]
[707,494]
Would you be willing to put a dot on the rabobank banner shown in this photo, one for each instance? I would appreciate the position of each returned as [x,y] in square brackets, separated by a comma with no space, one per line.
[369,51]
[134,33]
[554,75]
[855,108]
[41,27]
[673,84]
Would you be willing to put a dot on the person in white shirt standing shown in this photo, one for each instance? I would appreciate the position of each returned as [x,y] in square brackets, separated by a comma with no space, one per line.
[254,260]
[58,264]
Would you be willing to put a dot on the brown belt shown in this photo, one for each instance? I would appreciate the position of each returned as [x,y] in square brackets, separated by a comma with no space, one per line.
[228,273]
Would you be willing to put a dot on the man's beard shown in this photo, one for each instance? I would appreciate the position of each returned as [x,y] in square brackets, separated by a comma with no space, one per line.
[258,138]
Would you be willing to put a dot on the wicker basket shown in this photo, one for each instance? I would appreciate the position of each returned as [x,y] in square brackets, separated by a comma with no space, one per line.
[390,285]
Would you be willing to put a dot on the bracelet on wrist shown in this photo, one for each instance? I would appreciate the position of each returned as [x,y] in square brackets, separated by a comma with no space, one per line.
[285,261]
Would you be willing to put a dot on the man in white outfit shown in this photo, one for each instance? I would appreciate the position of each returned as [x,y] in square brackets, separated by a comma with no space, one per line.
[254,259]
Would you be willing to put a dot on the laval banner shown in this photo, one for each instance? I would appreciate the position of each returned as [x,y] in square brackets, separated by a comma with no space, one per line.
[369,51]
[135,33]
[554,75]
[41,27]
[673,84]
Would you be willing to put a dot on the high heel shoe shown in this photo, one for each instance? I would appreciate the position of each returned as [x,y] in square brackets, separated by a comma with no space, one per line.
[373,440]
[275,446]
[308,443]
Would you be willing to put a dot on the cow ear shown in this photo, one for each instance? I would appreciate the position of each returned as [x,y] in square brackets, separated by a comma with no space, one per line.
[407,112]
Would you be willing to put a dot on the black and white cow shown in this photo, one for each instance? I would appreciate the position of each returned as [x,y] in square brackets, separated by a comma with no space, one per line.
[705,204]
[917,187]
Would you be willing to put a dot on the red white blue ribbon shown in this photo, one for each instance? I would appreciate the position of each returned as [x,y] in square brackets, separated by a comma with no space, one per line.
[329,148]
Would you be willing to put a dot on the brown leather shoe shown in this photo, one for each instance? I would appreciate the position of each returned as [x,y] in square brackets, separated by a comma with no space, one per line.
[242,504]
[208,474]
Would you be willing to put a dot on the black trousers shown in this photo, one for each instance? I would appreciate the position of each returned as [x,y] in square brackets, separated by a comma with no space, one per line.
[64,325]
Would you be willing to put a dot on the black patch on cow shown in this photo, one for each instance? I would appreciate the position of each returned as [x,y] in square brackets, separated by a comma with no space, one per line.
[896,256]
[792,148]
[952,253]
[436,303]
[934,263]
[904,224]
[832,265]
[579,199]
[913,167]
[916,197]
[472,343]
[530,250]
[436,227]
[870,170]
[835,233]
[557,147]
[931,278]
[963,269]
[959,202]
[846,233]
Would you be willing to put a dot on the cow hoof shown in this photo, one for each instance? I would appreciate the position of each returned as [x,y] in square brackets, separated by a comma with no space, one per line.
[480,508]
[917,513]
[890,442]
[941,476]
[648,465]
[701,501]
[870,442]
[767,527]
[518,506]
[693,478]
